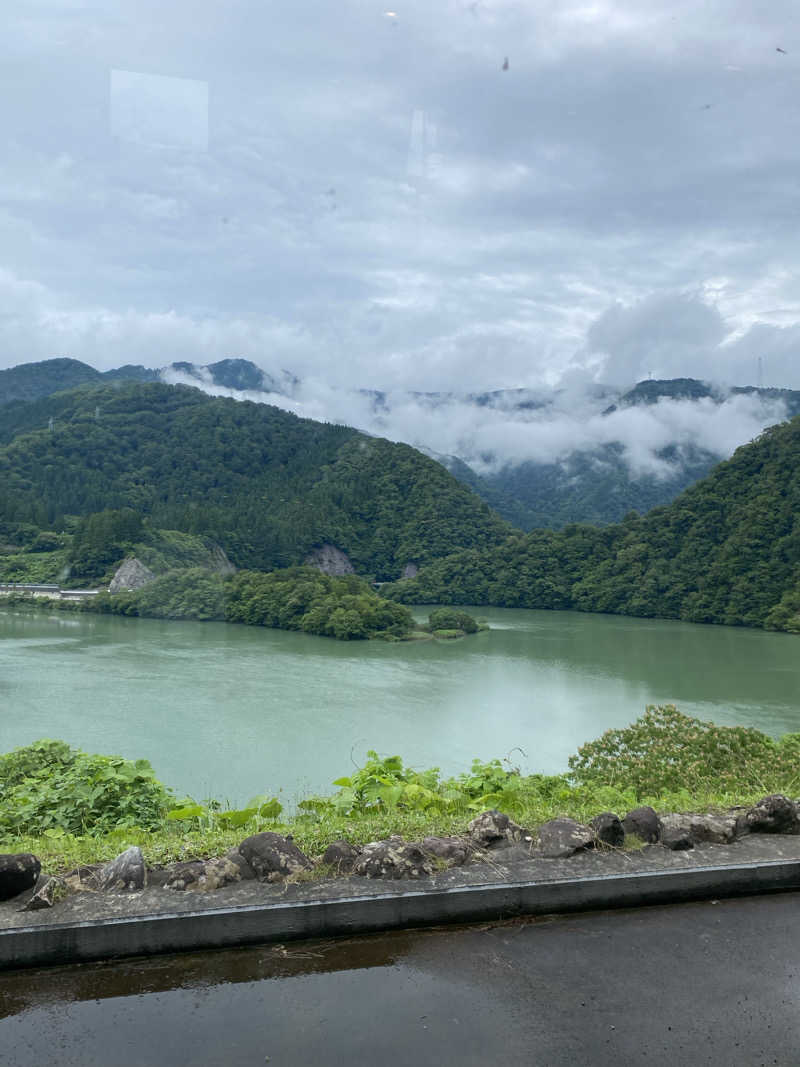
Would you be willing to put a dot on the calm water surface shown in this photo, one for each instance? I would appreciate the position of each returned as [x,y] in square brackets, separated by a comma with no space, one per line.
[232,711]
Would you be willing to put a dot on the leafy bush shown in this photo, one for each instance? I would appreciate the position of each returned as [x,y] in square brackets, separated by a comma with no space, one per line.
[211,815]
[385,784]
[47,541]
[666,751]
[452,619]
[49,786]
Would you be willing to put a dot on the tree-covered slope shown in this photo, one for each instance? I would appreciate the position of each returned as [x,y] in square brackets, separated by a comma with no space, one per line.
[727,551]
[265,485]
[29,381]
[594,486]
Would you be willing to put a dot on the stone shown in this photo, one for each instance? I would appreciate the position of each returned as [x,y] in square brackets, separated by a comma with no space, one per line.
[493,829]
[273,857]
[394,858]
[608,829]
[699,829]
[330,560]
[246,872]
[775,814]
[643,823]
[203,876]
[715,829]
[18,872]
[125,874]
[676,834]
[340,855]
[49,890]
[411,570]
[452,851]
[564,837]
[130,576]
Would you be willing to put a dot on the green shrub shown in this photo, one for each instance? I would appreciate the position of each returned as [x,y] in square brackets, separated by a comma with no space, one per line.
[665,752]
[49,786]
[452,619]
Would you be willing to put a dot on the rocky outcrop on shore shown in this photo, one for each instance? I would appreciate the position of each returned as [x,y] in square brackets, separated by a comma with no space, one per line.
[270,857]
[330,560]
[130,576]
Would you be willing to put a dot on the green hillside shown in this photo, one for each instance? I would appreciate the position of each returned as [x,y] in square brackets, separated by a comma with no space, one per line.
[265,485]
[726,551]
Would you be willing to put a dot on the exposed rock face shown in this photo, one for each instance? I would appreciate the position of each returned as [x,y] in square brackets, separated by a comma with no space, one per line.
[220,562]
[18,872]
[340,855]
[273,857]
[203,876]
[127,873]
[131,575]
[411,570]
[454,851]
[493,829]
[394,858]
[644,823]
[564,837]
[775,814]
[608,829]
[330,560]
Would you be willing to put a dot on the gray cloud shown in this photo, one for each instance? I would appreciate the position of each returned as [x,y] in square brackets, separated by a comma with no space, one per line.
[550,228]
[558,423]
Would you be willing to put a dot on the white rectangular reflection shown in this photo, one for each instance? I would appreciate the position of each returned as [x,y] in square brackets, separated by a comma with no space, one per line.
[158,110]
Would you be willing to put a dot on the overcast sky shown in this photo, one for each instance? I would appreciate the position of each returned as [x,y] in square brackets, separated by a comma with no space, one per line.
[370,199]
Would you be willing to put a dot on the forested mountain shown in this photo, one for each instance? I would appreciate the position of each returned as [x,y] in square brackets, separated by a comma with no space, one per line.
[543,485]
[264,484]
[31,381]
[727,551]
[594,486]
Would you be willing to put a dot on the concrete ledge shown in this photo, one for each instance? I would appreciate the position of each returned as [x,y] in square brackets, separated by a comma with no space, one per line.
[77,942]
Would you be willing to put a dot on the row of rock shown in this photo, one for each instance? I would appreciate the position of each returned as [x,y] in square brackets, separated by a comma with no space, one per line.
[270,857]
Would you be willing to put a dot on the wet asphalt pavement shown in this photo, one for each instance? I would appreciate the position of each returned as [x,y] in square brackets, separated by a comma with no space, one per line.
[695,984]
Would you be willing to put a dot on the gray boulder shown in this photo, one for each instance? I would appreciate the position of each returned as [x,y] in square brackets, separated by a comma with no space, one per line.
[643,823]
[125,874]
[608,829]
[340,855]
[775,814]
[49,890]
[676,835]
[453,851]
[203,876]
[273,857]
[18,872]
[700,829]
[493,829]
[564,837]
[394,858]
[130,576]
[246,872]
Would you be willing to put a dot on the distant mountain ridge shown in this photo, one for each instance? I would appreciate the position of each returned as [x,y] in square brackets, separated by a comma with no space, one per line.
[587,484]
[727,550]
[264,484]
